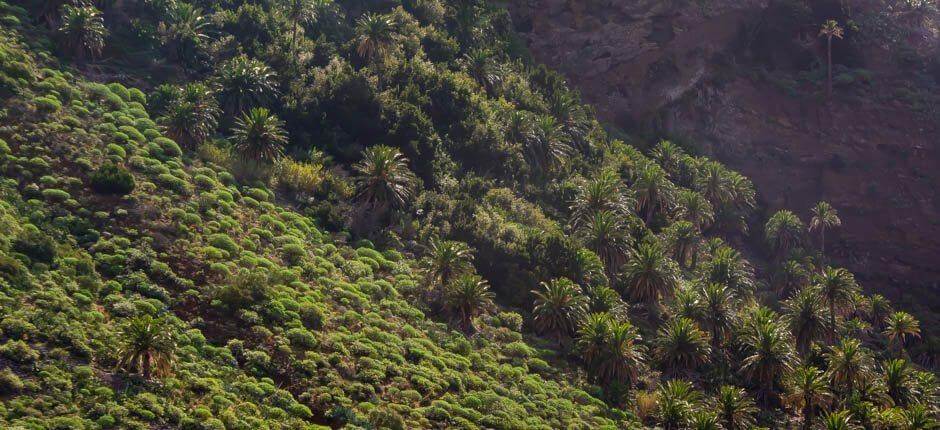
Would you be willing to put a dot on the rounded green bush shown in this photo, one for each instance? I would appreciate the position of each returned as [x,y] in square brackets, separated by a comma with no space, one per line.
[47,104]
[112,179]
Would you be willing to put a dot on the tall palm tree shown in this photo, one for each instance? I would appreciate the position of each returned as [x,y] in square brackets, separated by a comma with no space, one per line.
[480,66]
[684,239]
[149,347]
[807,391]
[789,276]
[604,192]
[824,217]
[713,182]
[649,274]
[559,307]
[193,118]
[735,408]
[681,346]
[694,208]
[830,29]
[768,351]
[899,327]
[653,191]
[244,82]
[718,314]
[848,362]
[467,297]
[587,269]
[548,147]
[259,135]
[806,315]
[837,287]
[879,308]
[444,261]
[383,179]
[622,358]
[185,31]
[669,156]
[83,31]
[518,128]
[593,333]
[783,231]
[375,35]
[606,235]
[576,122]
[897,378]
[727,267]
[301,12]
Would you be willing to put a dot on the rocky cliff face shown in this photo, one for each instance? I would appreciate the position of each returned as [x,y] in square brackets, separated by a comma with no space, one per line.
[679,68]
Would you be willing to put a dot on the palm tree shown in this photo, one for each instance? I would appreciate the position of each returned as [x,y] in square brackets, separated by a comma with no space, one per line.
[518,127]
[789,276]
[677,400]
[896,375]
[259,135]
[848,362]
[467,297]
[807,391]
[681,345]
[768,351]
[587,269]
[592,334]
[704,420]
[713,182]
[445,261]
[300,12]
[383,179]
[718,313]
[244,82]
[879,308]
[576,121]
[185,31]
[649,274]
[480,67]
[900,327]
[829,30]
[621,359]
[375,35]
[669,156]
[148,347]
[694,208]
[605,234]
[559,307]
[824,217]
[838,288]
[601,193]
[548,147]
[684,239]
[735,408]
[727,267]
[806,316]
[783,232]
[653,191]
[83,30]
[193,118]
[841,420]
[605,299]
[919,417]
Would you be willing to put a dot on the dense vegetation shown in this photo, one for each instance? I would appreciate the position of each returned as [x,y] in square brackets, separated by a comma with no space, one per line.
[380,214]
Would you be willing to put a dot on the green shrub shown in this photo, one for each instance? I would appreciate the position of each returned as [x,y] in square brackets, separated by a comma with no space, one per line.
[54,195]
[47,104]
[19,352]
[32,243]
[10,383]
[112,179]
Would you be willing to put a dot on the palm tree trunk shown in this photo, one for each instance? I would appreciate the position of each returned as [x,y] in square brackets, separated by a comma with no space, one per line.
[822,240]
[829,61]
[807,416]
[832,321]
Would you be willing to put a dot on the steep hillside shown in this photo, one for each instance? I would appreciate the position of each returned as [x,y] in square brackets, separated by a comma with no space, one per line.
[744,82]
[382,214]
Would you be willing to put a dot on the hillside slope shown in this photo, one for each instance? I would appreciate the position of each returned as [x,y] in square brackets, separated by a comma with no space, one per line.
[382,214]
[742,82]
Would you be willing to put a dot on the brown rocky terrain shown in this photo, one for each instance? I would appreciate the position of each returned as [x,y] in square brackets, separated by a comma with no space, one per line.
[679,69]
